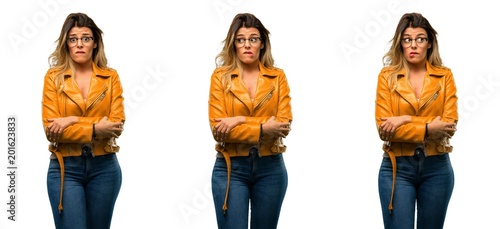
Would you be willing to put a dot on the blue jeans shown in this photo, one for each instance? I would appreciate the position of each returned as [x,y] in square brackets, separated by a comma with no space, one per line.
[260,182]
[91,186]
[426,181]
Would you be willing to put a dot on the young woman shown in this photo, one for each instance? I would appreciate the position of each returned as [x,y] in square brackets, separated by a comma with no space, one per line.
[83,114]
[416,115]
[249,114]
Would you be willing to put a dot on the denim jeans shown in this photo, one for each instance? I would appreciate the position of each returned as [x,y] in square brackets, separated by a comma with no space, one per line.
[91,186]
[426,181]
[256,182]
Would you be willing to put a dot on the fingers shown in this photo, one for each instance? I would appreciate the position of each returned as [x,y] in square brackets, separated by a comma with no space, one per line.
[284,129]
[53,132]
[221,132]
[386,131]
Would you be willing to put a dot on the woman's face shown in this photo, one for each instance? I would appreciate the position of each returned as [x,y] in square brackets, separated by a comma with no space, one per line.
[415,43]
[80,43]
[248,44]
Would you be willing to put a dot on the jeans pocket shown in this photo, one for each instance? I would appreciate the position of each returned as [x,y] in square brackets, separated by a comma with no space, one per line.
[442,157]
[276,157]
[110,157]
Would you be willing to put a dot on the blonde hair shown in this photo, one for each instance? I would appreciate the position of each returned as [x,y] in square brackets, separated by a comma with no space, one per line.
[395,59]
[227,58]
[60,59]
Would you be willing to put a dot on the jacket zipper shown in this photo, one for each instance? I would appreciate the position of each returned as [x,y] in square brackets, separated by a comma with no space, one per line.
[265,99]
[430,99]
[98,99]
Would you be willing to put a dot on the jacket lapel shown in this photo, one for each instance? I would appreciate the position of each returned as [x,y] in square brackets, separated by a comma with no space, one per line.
[239,91]
[431,84]
[430,87]
[97,85]
[265,84]
[404,89]
[72,91]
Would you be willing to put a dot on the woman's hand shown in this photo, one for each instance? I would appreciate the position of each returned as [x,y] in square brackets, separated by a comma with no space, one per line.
[438,129]
[274,129]
[390,124]
[57,125]
[107,129]
[225,125]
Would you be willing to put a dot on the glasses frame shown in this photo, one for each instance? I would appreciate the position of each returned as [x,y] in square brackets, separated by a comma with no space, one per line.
[236,42]
[85,43]
[422,42]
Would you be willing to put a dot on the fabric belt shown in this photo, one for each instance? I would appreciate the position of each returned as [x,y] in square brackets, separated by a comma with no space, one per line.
[86,152]
[418,154]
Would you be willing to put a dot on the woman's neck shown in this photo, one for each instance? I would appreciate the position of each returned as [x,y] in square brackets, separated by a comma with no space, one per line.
[251,67]
[84,67]
[417,67]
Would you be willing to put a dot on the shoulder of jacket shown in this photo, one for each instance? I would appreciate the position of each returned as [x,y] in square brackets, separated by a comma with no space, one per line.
[278,70]
[52,72]
[272,71]
[442,68]
[220,71]
[386,71]
[106,71]
[439,71]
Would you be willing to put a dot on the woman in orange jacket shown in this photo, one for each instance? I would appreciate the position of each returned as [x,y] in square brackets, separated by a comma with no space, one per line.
[249,114]
[416,115]
[83,114]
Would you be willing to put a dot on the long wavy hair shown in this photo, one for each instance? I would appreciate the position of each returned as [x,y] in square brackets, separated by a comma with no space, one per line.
[60,59]
[395,59]
[228,59]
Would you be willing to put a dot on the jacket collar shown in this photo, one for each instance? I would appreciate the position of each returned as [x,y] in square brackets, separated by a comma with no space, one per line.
[430,87]
[264,87]
[97,87]
[264,71]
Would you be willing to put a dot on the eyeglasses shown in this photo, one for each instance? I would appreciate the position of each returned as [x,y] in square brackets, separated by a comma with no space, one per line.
[240,42]
[73,41]
[406,42]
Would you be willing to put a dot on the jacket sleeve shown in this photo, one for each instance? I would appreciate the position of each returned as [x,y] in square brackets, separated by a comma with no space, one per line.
[50,109]
[217,109]
[410,132]
[117,111]
[450,111]
[284,106]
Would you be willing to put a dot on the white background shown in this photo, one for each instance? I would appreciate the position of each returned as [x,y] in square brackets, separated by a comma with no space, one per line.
[331,52]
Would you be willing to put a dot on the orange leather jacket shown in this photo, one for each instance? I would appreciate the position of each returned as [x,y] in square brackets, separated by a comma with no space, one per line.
[438,98]
[104,99]
[271,99]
